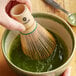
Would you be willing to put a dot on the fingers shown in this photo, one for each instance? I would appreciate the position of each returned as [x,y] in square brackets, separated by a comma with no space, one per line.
[27,2]
[67,72]
[12,24]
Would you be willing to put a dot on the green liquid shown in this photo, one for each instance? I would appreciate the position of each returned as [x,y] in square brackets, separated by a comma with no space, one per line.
[59,56]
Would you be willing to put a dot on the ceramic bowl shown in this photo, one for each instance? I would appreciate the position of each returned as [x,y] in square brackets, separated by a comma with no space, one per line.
[50,22]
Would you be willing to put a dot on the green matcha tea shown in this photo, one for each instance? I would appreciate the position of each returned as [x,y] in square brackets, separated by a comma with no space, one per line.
[59,56]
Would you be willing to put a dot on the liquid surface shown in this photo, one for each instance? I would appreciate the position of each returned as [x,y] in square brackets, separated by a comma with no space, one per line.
[59,56]
[72,19]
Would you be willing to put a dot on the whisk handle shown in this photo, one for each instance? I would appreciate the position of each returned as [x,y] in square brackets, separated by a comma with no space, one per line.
[21,13]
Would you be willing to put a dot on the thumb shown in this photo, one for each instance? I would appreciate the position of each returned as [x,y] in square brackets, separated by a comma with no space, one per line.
[67,72]
[11,24]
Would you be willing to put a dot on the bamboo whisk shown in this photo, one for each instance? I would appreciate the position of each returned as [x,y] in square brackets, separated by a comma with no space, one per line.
[37,42]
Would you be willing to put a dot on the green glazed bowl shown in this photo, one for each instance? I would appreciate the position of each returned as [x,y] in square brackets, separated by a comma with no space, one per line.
[50,22]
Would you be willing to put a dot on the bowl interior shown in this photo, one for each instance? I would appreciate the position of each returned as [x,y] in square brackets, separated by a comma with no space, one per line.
[48,21]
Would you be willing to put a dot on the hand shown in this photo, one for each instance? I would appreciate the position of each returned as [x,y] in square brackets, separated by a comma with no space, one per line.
[67,72]
[5,19]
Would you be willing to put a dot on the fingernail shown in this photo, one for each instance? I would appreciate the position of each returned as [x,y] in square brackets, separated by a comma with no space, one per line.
[22,28]
[70,69]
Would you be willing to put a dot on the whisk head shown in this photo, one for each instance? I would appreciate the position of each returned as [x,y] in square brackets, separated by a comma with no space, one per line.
[39,44]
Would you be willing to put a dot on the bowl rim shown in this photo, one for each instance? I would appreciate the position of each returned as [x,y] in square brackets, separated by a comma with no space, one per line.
[43,15]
